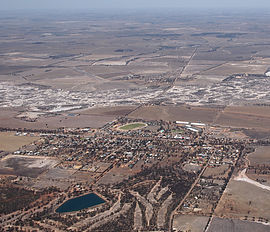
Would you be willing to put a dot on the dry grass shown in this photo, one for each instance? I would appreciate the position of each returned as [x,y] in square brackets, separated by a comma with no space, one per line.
[246,117]
[10,142]
[176,113]
[260,156]
[243,199]
[190,223]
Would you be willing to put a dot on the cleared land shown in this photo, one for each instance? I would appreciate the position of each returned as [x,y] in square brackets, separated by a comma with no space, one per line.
[254,121]
[190,223]
[220,171]
[261,156]
[10,142]
[25,165]
[94,118]
[225,225]
[241,200]
[176,113]
[246,117]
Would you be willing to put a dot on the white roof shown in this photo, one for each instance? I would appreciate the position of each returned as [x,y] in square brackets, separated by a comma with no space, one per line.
[197,124]
[182,122]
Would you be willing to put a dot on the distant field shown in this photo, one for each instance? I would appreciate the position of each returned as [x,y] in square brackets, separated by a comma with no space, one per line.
[227,224]
[190,223]
[242,199]
[260,156]
[245,117]
[20,165]
[10,142]
[8,120]
[176,113]
[219,171]
[132,126]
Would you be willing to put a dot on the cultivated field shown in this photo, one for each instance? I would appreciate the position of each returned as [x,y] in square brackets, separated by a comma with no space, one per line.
[11,142]
[225,225]
[241,200]
[261,156]
[176,113]
[25,165]
[190,223]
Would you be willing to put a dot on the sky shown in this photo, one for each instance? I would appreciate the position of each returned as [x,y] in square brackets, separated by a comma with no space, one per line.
[129,4]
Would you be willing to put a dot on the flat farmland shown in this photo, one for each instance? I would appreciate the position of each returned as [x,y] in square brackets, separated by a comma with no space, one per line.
[240,200]
[261,156]
[245,116]
[29,166]
[190,223]
[226,224]
[176,113]
[10,142]
[217,172]
[94,118]
[116,111]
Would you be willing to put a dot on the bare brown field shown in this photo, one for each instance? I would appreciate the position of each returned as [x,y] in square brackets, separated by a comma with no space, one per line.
[8,120]
[239,120]
[77,121]
[264,178]
[220,171]
[241,199]
[176,113]
[226,224]
[26,165]
[10,142]
[260,156]
[237,67]
[245,117]
[257,133]
[255,119]
[250,110]
[189,223]
[116,175]
[116,111]
[82,176]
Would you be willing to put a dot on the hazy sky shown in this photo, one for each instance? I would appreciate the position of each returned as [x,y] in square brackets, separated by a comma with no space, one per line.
[93,4]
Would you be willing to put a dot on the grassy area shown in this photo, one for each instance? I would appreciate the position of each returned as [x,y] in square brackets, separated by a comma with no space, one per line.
[132,126]
[10,142]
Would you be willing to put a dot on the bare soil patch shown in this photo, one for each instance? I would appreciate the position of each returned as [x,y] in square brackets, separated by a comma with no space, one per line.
[25,166]
[109,111]
[220,171]
[246,117]
[10,142]
[260,156]
[242,199]
[176,113]
[226,224]
[8,119]
[190,223]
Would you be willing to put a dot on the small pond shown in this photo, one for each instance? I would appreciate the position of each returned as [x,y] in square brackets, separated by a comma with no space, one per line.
[79,203]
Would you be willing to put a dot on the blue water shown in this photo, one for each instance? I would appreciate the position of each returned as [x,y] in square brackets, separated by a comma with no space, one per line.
[79,203]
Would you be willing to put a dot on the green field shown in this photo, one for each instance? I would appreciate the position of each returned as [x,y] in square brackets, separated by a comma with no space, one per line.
[132,126]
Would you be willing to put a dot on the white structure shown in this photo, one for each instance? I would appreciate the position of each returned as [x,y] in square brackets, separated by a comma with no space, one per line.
[181,122]
[193,129]
[197,124]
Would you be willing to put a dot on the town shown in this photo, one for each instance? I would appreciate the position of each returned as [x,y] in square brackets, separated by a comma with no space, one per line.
[141,168]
